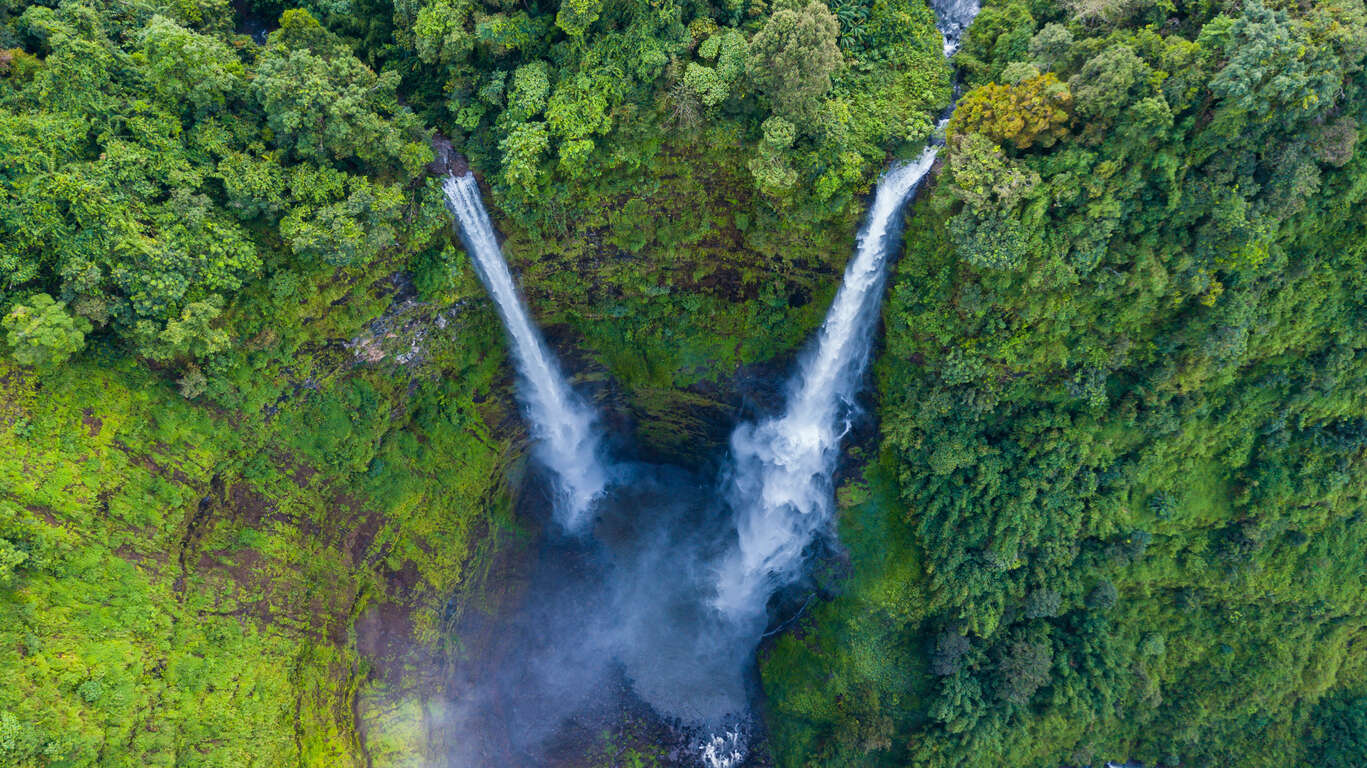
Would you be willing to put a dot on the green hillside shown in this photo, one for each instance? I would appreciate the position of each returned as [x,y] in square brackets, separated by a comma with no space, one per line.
[262,469]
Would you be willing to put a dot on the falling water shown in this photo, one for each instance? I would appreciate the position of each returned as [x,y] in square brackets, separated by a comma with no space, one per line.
[953,18]
[562,425]
[660,593]
[782,467]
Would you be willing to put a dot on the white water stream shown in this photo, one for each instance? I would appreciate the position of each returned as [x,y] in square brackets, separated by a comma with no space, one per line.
[780,481]
[562,426]
[781,468]
[953,18]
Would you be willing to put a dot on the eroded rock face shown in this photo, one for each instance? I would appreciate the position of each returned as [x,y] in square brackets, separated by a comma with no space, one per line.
[448,160]
[401,333]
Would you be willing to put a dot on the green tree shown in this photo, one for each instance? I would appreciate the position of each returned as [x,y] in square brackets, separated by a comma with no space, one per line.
[192,334]
[575,16]
[579,107]
[712,85]
[322,104]
[793,56]
[41,333]
[1022,669]
[441,31]
[527,94]
[523,149]
[346,231]
[989,240]
[1042,603]
[772,173]
[1108,82]
[959,703]
[1338,734]
[983,176]
[185,66]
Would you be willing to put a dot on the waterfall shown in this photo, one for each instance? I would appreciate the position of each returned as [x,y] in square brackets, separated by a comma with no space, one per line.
[562,425]
[661,594]
[782,467]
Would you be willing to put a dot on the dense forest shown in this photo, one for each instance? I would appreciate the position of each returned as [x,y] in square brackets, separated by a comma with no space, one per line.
[263,477]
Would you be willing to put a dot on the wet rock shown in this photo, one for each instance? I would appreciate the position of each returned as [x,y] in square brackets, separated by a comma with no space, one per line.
[448,160]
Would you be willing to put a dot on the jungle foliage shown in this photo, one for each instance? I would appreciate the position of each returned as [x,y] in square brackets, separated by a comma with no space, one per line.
[246,408]
[251,399]
[249,412]
[1118,508]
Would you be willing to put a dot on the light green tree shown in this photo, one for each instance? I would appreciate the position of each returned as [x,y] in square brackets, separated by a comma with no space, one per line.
[441,32]
[527,96]
[575,16]
[185,66]
[41,333]
[711,85]
[770,168]
[522,152]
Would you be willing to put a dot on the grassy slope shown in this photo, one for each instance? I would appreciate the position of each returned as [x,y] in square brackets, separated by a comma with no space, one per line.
[205,588]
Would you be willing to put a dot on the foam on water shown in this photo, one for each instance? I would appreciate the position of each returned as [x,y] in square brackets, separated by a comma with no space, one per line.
[781,468]
[953,18]
[675,598]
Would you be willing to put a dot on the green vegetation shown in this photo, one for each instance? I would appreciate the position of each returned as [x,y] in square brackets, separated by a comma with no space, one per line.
[1117,511]
[230,450]
[253,405]
[258,438]
[182,590]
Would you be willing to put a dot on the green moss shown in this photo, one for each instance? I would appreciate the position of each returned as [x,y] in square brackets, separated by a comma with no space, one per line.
[189,581]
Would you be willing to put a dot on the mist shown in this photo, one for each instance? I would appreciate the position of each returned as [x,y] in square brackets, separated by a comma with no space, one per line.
[619,619]
[654,589]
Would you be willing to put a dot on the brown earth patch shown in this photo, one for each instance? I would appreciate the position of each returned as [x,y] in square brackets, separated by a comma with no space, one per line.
[384,634]
[302,474]
[93,423]
[147,463]
[239,564]
[403,582]
[356,530]
[249,505]
[48,515]
[150,559]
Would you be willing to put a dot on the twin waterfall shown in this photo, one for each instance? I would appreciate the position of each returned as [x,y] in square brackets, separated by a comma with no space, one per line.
[780,486]
[777,488]
[781,468]
[562,426]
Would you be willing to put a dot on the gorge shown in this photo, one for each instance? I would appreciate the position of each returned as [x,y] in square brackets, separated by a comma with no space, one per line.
[804,383]
[675,580]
